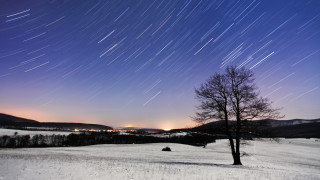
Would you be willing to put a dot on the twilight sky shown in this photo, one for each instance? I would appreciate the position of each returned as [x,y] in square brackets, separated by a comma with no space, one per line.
[136,63]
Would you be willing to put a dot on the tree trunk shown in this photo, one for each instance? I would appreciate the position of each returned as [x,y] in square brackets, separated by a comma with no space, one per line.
[234,156]
[231,142]
[237,160]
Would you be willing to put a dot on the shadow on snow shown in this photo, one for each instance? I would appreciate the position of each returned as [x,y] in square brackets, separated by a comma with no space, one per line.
[198,164]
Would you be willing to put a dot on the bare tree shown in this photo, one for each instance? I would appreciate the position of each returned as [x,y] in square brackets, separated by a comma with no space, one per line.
[232,96]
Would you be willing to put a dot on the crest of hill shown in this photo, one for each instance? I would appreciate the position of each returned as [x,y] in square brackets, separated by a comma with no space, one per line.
[18,122]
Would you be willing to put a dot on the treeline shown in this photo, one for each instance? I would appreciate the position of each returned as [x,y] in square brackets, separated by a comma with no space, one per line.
[92,138]
[36,128]
[19,141]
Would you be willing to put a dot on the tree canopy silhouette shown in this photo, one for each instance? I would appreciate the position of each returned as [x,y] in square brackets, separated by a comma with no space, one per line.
[232,95]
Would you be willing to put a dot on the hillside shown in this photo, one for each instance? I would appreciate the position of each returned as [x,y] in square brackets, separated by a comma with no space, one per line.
[8,120]
[17,122]
[304,130]
[295,128]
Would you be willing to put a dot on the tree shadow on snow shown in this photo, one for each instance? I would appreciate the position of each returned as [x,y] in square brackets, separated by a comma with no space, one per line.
[198,164]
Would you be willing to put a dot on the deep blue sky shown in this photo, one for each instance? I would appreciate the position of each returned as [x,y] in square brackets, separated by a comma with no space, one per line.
[137,63]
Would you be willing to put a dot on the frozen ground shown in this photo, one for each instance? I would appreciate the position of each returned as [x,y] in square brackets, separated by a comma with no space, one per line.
[10,132]
[289,159]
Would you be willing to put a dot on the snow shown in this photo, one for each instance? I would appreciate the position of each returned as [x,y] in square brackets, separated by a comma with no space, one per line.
[10,132]
[265,159]
[167,135]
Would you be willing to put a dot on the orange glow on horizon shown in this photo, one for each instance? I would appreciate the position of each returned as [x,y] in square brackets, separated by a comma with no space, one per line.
[87,117]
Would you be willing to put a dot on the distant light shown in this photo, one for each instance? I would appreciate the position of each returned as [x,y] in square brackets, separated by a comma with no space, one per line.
[166,129]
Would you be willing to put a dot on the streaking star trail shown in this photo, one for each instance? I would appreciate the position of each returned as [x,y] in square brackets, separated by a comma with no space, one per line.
[137,62]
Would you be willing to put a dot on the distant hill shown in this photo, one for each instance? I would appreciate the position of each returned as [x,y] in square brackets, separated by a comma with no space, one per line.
[295,128]
[278,123]
[8,119]
[303,130]
[17,122]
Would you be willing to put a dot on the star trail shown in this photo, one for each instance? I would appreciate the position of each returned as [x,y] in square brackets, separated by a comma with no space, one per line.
[138,62]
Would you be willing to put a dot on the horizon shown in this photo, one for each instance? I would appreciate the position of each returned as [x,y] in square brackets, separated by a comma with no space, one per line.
[129,126]
[137,63]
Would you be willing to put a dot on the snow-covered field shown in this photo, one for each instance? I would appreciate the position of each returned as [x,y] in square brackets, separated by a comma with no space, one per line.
[265,159]
[10,132]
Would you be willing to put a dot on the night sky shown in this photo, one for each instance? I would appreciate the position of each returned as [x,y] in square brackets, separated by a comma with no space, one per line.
[137,63]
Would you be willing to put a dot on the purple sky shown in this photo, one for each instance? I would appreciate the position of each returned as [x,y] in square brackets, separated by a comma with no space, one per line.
[136,63]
